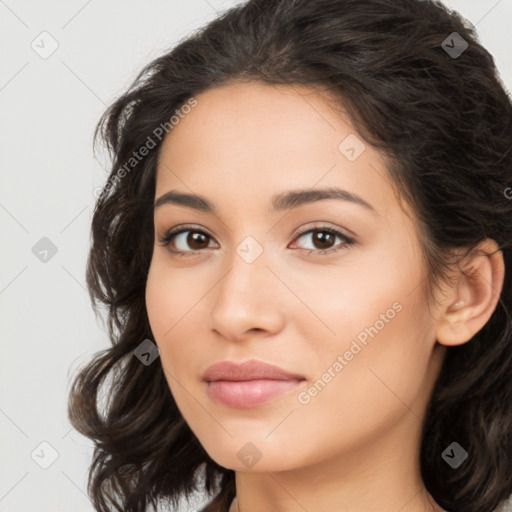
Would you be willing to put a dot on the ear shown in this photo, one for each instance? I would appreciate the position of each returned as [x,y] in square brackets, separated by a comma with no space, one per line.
[469,304]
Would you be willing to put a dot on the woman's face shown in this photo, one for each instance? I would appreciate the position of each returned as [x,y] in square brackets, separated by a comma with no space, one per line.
[266,278]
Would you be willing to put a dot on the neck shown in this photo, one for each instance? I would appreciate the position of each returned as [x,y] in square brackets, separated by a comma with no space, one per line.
[383,475]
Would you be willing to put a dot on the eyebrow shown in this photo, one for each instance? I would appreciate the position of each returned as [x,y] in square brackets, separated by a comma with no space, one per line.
[283,201]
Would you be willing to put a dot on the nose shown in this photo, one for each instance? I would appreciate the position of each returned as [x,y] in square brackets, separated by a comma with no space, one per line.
[248,298]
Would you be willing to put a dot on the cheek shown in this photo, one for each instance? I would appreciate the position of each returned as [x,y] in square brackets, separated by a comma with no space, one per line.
[380,329]
[165,308]
[158,304]
[173,297]
[388,366]
[372,389]
[170,294]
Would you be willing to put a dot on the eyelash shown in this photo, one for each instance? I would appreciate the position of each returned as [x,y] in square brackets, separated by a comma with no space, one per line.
[172,233]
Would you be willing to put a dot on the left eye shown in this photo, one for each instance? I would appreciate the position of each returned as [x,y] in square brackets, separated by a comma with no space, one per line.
[325,236]
[198,240]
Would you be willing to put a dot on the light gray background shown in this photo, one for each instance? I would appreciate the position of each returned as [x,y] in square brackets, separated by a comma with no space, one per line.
[50,107]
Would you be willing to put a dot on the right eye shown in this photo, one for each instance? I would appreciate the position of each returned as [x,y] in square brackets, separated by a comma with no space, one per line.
[182,236]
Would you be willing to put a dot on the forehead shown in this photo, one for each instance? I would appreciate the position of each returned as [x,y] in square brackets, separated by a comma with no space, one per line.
[252,140]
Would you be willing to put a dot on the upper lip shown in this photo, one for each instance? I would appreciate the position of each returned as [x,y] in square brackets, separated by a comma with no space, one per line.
[247,370]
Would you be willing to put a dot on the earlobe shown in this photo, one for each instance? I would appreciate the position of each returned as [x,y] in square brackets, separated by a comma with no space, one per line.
[473,299]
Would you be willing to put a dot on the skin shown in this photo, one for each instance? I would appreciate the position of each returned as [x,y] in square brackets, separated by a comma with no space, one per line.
[355,446]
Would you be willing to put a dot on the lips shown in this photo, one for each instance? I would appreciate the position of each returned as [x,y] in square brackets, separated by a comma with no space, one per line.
[248,370]
[248,384]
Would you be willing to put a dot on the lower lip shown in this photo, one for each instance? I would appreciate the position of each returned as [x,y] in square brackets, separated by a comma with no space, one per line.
[249,393]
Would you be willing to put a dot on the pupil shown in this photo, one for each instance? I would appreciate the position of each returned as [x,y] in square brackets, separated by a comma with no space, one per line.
[322,236]
[194,238]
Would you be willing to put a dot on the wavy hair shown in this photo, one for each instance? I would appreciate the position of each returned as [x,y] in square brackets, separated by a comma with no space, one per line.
[443,121]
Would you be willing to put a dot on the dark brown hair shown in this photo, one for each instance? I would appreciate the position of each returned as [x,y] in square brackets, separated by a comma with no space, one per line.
[445,123]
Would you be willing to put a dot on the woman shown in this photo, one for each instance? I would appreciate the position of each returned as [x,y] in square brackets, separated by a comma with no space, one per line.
[305,248]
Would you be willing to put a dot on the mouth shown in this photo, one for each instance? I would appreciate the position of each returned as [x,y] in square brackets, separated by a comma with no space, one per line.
[248,384]
[249,393]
